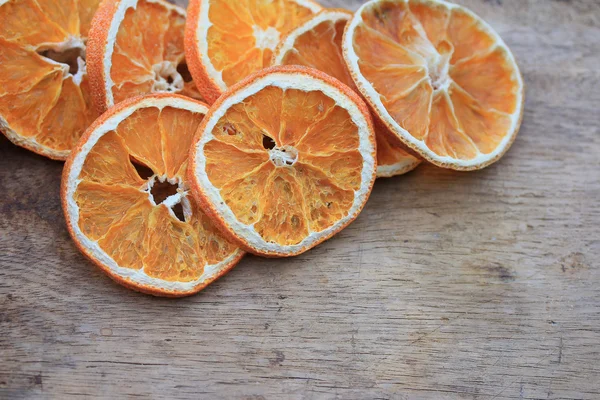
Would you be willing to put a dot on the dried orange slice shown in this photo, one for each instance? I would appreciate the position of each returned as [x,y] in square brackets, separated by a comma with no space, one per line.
[45,103]
[127,204]
[439,77]
[317,43]
[227,40]
[136,47]
[284,160]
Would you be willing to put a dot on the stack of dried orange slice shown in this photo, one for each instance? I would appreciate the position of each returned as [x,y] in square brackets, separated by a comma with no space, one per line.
[306,107]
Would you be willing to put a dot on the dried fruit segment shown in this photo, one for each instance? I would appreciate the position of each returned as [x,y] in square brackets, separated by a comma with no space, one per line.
[127,200]
[327,201]
[284,220]
[240,194]
[136,47]
[176,255]
[177,131]
[285,160]
[485,125]
[317,43]
[483,71]
[440,79]
[45,103]
[102,206]
[333,132]
[228,40]
[141,133]
[108,163]
[126,241]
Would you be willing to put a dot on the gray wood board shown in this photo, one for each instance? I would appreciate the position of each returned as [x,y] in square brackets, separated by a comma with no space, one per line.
[450,285]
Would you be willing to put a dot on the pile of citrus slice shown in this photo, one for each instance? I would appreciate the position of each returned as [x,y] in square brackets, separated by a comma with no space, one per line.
[318,44]
[269,143]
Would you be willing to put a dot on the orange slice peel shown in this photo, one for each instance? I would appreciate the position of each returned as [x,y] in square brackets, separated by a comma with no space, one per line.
[127,204]
[284,160]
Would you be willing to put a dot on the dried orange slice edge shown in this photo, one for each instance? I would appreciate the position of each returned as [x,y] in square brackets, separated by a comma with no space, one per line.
[304,162]
[103,199]
[246,28]
[392,157]
[299,47]
[136,47]
[466,148]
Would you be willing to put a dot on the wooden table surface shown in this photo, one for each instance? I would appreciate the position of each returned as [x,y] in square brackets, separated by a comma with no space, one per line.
[450,285]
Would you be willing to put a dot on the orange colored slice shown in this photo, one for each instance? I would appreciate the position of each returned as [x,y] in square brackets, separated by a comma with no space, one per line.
[136,48]
[439,77]
[227,40]
[284,160]
[127,202]
[317,43]
[45,103]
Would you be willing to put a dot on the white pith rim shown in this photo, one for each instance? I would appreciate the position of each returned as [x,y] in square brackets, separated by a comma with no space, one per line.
[111,39]
[402,167]
[289,41]
[138,277]
[369,91]
[285,81]
[204,25]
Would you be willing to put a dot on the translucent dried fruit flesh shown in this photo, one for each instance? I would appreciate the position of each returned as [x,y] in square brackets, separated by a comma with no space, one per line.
[120,210]
[441,74]
[45,102]
[243,34]
[286,162]
[318,44]
[148,54]
[321,47]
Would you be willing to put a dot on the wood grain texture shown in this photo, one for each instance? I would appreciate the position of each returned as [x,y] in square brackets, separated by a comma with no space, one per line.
[450,285]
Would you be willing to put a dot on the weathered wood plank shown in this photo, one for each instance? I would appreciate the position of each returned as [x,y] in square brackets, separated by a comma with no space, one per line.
[449,286]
